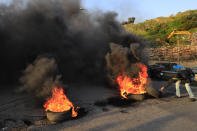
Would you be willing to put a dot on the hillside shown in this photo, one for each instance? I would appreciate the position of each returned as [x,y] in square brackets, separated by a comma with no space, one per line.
[157,30]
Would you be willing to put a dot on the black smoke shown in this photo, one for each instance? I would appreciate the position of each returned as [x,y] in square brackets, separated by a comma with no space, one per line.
[40,77]
[124,61]
[78,39]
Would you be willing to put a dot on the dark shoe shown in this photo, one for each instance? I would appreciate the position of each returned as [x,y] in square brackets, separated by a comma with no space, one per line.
[192,99]
[177,96]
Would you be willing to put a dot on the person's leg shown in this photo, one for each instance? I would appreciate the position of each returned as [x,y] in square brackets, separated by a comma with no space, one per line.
[178,94]
[189,90]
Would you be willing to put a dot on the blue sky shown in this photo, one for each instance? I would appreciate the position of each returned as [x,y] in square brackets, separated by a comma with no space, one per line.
[141,9]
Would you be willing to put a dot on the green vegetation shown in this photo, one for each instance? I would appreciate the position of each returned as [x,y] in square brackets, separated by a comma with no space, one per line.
[157,30]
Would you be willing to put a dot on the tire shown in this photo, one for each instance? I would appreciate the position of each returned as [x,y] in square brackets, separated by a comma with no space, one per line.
[55,117]
[137,97]
[153,92]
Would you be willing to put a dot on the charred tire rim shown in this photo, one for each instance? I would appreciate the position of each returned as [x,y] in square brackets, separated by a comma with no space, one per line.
[59,116]
[137,97]
[153,92]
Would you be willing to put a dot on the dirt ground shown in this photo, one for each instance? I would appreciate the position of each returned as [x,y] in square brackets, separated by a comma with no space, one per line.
[19,112]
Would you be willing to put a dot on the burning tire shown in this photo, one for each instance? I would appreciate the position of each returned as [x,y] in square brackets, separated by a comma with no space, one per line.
[55,117]
[59,107]
[153,92]
[137,97]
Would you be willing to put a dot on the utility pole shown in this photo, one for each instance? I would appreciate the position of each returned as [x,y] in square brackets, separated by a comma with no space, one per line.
[178,42]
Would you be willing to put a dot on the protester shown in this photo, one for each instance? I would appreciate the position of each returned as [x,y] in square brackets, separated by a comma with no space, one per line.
[185,76]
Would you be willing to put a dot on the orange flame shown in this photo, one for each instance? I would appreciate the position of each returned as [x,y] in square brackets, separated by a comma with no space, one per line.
[130,85]
[59,102]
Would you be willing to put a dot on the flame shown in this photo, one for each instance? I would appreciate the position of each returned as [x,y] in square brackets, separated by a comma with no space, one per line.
[130,85]
[59,102]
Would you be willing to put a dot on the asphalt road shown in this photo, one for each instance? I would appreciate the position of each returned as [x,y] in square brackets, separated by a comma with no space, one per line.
[165,114]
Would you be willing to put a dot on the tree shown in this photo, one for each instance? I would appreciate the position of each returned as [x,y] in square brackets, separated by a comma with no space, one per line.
[131,20]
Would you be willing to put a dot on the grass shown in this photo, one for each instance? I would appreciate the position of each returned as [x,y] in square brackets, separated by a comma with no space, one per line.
[193,30]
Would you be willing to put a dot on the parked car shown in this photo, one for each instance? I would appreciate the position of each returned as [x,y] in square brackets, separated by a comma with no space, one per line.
[155,70]
[194,69]
[164,71]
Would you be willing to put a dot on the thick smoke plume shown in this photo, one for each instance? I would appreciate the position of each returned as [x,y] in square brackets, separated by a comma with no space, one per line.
[123,61]
[40,77]
[78,39]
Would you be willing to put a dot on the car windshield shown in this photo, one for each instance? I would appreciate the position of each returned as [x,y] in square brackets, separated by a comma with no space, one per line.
[167,66]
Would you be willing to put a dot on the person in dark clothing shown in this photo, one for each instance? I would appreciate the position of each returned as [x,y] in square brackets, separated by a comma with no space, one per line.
[186,76]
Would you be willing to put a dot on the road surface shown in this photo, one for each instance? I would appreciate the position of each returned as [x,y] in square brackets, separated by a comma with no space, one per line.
[165,114]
